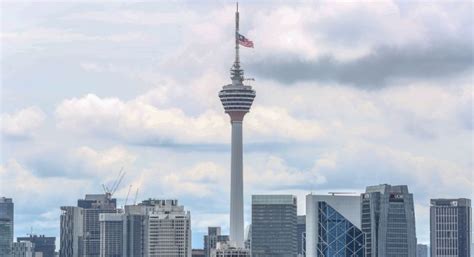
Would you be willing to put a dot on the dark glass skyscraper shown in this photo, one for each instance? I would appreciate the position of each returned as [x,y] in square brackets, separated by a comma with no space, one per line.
[274,226]
[450,227]
[388,220]
[6,226]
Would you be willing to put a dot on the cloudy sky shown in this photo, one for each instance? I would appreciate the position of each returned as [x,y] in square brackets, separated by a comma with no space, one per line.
[348,95]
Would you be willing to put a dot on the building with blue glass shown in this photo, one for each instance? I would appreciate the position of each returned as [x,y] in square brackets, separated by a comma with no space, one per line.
[333,226]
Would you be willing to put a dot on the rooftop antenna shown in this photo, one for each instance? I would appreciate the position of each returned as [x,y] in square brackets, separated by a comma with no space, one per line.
[236,72]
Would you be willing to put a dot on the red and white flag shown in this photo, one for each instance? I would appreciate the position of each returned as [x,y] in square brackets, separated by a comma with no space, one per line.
[244,41]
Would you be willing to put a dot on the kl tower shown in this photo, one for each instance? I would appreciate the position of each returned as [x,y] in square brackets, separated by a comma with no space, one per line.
[237,99]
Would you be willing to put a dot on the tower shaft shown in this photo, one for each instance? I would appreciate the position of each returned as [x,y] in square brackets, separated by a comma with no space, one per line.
[237,186]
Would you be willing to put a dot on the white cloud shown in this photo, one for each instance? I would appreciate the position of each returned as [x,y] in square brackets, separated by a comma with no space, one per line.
[106,163]
[22,123]
[138,121]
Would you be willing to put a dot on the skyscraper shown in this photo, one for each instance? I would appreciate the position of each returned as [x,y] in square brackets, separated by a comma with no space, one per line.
[274,226]
[237,99]
[43,244]
[450,227]
[80,227]
[169,229]
[71,231]
[6,226]
[93,205]
[333,226]
[301,234]
[136,222]
[112,234]
[388,220]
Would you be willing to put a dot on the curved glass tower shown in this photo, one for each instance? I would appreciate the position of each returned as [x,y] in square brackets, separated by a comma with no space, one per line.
[237,99]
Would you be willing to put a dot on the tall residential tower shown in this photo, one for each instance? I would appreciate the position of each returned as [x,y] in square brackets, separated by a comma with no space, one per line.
[237,99]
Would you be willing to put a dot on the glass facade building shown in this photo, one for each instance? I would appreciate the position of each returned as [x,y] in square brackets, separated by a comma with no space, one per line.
[388,221]
[338,237]
[333,226]
[274,221]
[6,226]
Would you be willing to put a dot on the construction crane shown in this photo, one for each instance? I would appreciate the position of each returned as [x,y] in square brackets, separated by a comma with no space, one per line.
[109,192]
[136,195]
[128,193]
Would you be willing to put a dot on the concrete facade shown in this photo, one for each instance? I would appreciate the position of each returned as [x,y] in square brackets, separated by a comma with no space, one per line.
[450,227]
[237,99]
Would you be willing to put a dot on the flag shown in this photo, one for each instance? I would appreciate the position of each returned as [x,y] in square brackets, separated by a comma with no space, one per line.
[244,41]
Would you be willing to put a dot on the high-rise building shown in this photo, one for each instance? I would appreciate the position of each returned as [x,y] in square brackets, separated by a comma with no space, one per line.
[71,231]
[388,220]
[333,226]
[43,244]
[169,229]
[301,235]
[450,227]
[6,226]
[80,226]
[210,240]
[274,221]
[421,250]
[135,238]
[23,249]
[93,205]
[237,99]
[112,234]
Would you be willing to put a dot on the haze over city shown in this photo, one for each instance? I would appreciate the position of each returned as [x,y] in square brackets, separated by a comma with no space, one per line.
[348,95]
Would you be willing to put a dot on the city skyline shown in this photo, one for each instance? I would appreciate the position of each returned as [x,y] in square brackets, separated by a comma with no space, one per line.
[138,90]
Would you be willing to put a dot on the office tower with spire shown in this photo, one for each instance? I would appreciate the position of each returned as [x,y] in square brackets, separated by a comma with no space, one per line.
[237,99]
[6,226]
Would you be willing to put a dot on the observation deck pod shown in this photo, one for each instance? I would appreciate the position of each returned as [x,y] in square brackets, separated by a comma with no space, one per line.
[237,100]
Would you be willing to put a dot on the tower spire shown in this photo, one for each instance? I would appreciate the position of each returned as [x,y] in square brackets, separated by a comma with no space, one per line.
[237,74]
